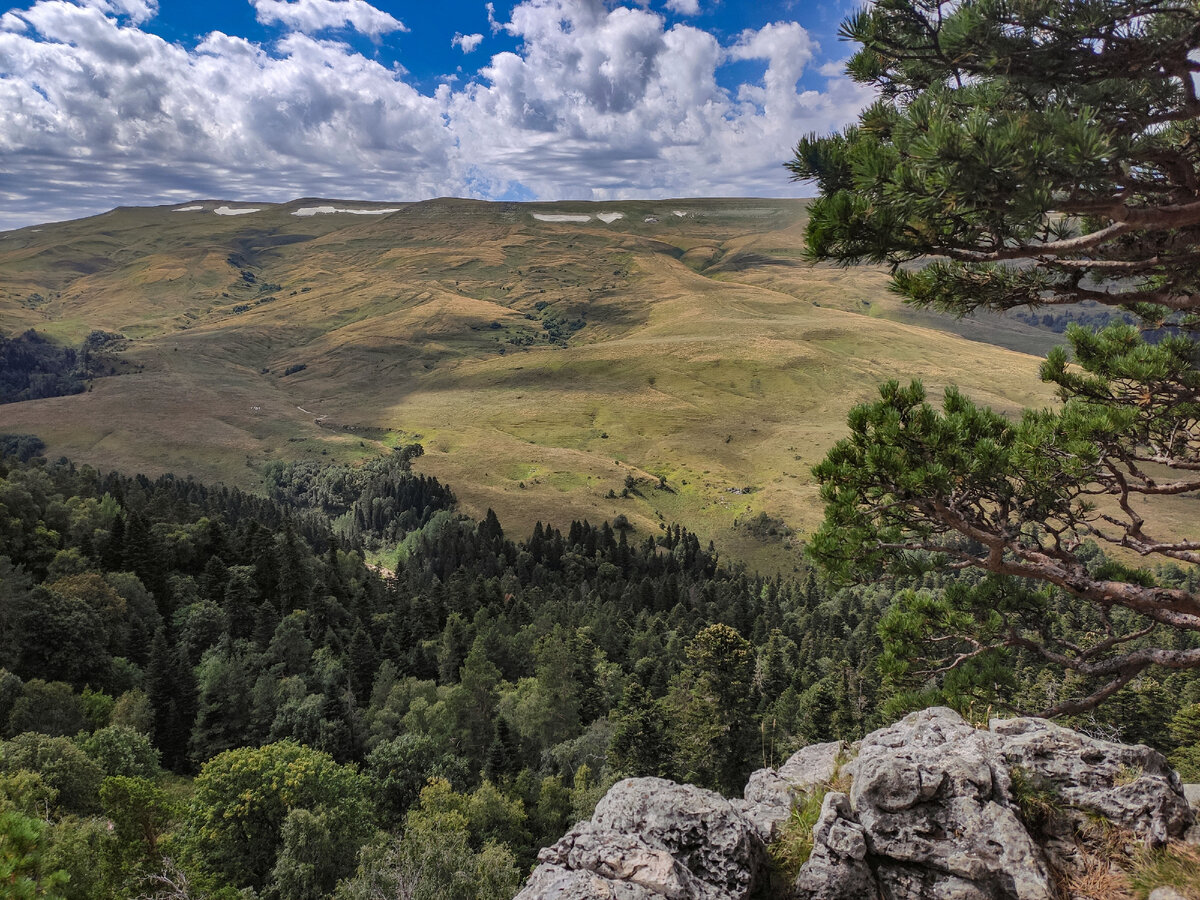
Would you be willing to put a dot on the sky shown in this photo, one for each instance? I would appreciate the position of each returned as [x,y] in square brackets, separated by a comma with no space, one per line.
[136,102]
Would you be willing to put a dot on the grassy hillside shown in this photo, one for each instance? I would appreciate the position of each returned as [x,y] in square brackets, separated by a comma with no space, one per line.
[542,359]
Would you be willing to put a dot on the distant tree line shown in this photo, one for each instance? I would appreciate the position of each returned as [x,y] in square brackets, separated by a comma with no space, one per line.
[33,367]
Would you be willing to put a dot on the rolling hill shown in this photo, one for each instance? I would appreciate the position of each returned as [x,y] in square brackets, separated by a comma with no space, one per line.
[546,355]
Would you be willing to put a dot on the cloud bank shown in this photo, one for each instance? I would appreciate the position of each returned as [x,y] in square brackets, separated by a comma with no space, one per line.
[599,102]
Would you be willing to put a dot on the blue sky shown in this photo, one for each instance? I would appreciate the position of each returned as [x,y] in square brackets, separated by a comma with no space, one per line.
[110,102]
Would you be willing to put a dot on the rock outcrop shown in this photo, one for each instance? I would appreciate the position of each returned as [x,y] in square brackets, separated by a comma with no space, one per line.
[837,868]
[673,840]
[936,810]
[936,804]
[1130,786]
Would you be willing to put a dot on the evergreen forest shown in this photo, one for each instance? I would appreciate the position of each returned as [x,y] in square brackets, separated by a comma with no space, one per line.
[206,693]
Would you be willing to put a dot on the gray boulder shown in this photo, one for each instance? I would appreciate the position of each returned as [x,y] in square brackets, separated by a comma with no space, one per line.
[837,868]
[1132,786]
[1192,793]
[767,820]
[770,793]
[1165,893]
[767,788]
[557,883]
[931,815]
[814,765]
[767,804]
[699,828]
[933,799]
[629,858]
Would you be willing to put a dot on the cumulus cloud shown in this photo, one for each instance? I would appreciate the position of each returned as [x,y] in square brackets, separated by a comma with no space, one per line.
[311,16]
[468,42]
[684,7]
[600,102]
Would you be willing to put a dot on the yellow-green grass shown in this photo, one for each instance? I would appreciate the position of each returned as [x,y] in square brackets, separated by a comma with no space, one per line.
[710,356]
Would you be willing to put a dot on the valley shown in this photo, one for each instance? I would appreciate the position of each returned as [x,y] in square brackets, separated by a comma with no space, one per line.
[666,361]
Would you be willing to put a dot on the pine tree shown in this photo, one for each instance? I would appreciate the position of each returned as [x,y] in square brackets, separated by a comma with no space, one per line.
[1041,153]
[172,692]
[504,755]
[362,662]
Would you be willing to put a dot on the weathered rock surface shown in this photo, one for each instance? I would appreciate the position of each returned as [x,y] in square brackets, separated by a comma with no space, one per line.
[550,882]
[935,803]
[1192,792]
[700,828]
[837,869]
[814,765]
[1165,893]
[631,858]
[931,815]
[770,793]
[1131,786]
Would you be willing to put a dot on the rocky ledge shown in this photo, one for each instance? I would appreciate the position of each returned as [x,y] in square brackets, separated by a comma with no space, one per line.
[930,808]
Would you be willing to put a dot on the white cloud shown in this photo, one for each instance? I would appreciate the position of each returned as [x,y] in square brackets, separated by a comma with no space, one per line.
[684,7]
[311,16]
[468,42]
[138,11]
[601,102]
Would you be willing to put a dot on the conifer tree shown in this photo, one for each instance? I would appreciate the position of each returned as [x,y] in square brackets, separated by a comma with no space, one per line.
[1032,153]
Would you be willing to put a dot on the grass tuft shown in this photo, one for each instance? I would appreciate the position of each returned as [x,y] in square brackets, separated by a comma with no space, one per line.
[1176,865]
[791,851]
[1038,805]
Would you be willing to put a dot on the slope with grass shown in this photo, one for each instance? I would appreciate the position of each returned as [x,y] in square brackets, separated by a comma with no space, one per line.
[547,355]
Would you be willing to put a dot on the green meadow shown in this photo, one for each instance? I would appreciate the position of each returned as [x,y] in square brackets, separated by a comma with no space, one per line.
[685,349]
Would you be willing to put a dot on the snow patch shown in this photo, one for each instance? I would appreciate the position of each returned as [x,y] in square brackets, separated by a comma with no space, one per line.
[187,209]
[682,214]
[327,210]
[231,211]
[610,217]
[556,217]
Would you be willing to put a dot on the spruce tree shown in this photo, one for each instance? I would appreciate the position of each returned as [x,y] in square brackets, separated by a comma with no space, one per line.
[1033,153]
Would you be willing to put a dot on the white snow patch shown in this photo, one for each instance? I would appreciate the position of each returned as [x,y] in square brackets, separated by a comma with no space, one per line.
[682,214]
[188,208]
[610,217]
[555,217]
[327,210]
[231,211]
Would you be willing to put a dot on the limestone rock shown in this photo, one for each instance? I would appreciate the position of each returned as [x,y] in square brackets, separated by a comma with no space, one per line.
[556,883]
[770,793]
[837,868]
[623,857]
[931,815]
[1166,893]
[1131,786]
[1192,793]
[699,828]
[767,788]
[932,796]
[814,765]
[767,804]
[767,819]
